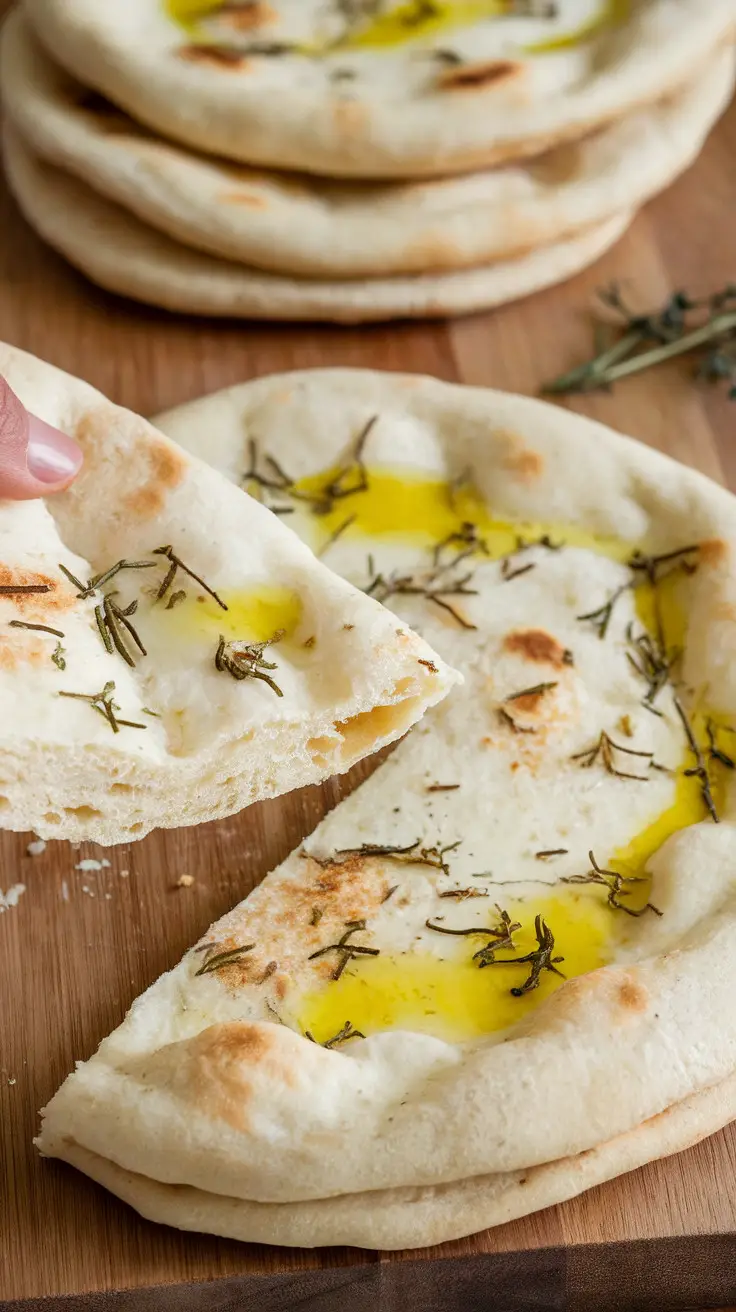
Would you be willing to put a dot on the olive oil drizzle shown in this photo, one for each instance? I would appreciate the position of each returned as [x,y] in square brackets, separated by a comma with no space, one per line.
[365,27]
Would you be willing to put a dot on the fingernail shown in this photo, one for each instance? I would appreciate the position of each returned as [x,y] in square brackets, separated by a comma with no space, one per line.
[52,457]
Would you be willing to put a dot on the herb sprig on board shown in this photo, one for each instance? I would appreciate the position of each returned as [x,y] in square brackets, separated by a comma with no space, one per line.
[704,328]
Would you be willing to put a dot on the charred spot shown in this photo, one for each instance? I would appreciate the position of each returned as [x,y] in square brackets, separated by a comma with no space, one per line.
[713,552]
[481,75]
[246,16]
[536,645]
[217,56]
[53,595]
[632,996]
[529,703]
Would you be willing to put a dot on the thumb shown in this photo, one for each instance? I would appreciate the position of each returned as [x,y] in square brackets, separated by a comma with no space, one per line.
[35,459]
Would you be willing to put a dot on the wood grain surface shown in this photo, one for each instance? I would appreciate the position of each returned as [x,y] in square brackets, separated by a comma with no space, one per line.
[81,945]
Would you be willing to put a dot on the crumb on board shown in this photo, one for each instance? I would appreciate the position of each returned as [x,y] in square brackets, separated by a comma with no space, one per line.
[64,891]
[12,897]
[185,881]
[124,874]
[90,863]
[36,847]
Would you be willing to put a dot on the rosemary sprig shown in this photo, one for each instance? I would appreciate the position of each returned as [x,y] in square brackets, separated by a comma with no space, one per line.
[540,959]
[605,748]
[547,853]
[714,750]
[601,618]
[347,1032]
[58,656]
[648,660]
[535,691]
[513,724]
[345,949]
[246,661]
[103,703]
[710,331]
[218,960]
[110,618]
[466,539]
[434,589]
[97,581]
[462,894]
[21,589]
[411,855]
[37,628]
[349,479]
[334,537]
[699,770]
[175,564]
[614,882]
[501,936]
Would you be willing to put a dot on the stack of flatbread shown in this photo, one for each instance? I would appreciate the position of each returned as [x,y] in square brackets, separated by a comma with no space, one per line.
[351,159]
[502,970]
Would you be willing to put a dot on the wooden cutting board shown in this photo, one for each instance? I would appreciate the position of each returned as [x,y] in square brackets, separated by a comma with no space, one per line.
[81,944]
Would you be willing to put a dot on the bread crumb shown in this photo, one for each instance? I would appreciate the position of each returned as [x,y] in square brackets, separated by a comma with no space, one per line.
[124,874]
[90,863]
[185,881]
[12,897]
[36,847]
[64,891]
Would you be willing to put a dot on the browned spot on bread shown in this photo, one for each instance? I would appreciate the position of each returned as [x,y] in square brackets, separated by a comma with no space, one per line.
[631,995]
[520,459]
[350,117]
[247,16]
[161,468]
[535,645]
[215,1070]
[16,654]
[216,56]
[485,73]
[247,198]
[35,604]
[431,252]
[712,552]
[529,703]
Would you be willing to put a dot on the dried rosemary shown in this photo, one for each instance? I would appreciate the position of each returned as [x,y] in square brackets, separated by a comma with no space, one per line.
[412,854]
[218,960]
[103,703]
[175,564]
[537,690]
[434,589]
[21,589]
[346,482]
[347,1032]
[614,883]
[501,936]
[345,949]
[85,590]
[36,628]
[605,749]
[539,960]
[245,661]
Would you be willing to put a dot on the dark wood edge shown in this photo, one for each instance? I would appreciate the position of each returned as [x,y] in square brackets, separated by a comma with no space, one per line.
[687,1274]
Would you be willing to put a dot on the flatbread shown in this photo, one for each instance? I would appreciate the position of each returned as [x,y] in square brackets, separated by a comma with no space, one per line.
[106,746]
[393,1219]
[116,250]
[317,227]
[521,521]
[380,89]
